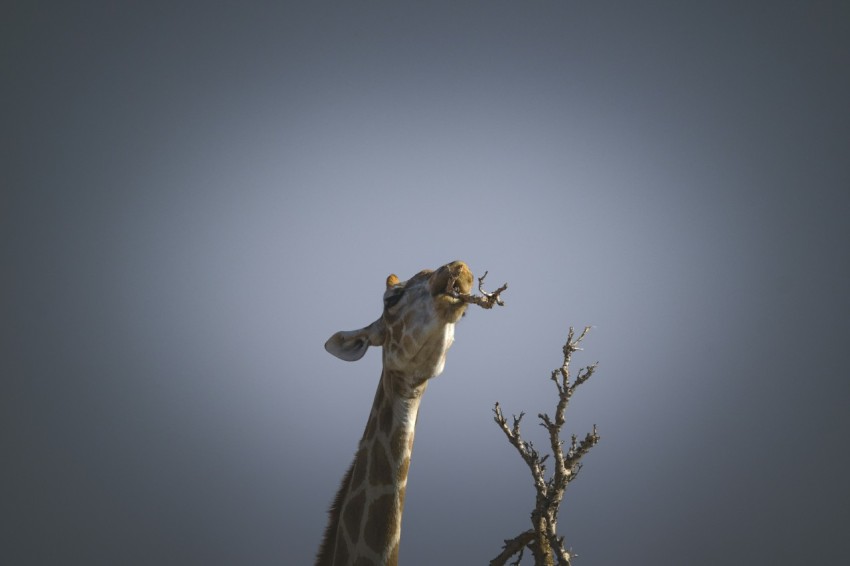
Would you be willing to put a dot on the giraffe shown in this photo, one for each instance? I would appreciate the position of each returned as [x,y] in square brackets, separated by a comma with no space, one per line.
[415,330]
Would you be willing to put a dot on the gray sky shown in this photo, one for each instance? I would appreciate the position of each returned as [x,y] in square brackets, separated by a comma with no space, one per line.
[195,197]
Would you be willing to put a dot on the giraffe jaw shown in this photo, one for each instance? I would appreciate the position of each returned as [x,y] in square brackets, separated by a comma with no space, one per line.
[450,308]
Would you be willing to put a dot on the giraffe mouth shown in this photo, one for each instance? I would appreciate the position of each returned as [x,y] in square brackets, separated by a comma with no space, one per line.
[454,288]
[452,294]
[452,280]
[459,283]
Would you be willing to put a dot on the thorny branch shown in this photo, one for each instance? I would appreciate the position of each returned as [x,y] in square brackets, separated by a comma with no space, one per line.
[485,300]
[542,539]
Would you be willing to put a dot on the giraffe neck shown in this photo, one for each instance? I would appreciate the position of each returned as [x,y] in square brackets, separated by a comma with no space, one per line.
[365,524]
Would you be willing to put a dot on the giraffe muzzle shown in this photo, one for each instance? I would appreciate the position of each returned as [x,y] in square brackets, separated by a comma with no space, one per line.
[452,279]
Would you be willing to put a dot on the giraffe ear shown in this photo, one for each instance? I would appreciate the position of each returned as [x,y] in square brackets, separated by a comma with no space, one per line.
[351,345]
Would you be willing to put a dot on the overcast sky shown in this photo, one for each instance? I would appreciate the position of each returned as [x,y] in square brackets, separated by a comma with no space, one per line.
[196,196]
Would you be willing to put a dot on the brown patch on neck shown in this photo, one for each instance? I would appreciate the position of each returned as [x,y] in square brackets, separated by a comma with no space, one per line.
[341,555]
[358,475]
[382,523]
[385,419]
[380,468]
[352,516]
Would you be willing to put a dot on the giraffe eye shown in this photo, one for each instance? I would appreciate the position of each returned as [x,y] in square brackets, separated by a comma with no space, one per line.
[391,301]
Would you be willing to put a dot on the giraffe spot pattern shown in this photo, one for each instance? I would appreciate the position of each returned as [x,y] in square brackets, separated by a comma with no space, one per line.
[385,420]
[407,344]
[352,515]
[380,525]
[341,554]
[371,427]
[380,472]
[408,318]
[379,396]
[359,472]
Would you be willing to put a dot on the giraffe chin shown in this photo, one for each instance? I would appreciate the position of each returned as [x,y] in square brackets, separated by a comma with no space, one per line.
[450,309]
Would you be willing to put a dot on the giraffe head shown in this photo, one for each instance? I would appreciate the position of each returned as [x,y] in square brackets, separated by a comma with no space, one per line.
[416,327]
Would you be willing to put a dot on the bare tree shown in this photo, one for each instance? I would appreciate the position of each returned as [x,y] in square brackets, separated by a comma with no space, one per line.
[542,539]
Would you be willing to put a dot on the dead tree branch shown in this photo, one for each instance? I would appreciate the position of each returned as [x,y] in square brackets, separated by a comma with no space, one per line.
[513,546]
[542,539]
[485,300]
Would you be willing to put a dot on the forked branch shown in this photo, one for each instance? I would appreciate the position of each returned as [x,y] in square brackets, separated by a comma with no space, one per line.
[542,539]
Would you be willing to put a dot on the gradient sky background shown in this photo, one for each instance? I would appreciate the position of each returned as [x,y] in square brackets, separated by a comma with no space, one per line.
[195,196]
